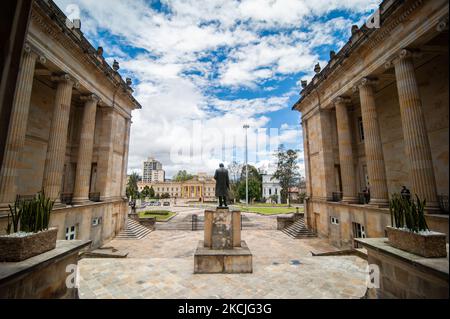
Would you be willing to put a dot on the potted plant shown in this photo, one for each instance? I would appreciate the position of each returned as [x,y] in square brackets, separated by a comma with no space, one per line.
[27,233]
[409,230]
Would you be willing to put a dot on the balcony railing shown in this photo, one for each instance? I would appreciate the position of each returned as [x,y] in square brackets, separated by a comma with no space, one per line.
[25,197]
[443,203]
[336,196]
[94,197]
[66,198]
[363,198]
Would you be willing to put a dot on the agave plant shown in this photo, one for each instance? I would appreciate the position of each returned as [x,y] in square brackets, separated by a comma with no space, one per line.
[406,213]
[14,217]
[32,215]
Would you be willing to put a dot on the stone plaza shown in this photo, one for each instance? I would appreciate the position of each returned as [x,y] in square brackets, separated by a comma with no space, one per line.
[161,266]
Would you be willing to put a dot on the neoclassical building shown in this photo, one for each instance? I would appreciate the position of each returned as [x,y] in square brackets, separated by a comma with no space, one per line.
[198,189]
[69,130]
[377,116]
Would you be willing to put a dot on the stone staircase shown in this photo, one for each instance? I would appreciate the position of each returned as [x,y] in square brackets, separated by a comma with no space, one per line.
[133,230]
[298,230]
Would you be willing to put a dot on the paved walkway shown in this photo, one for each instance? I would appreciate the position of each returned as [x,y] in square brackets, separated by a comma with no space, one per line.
[161,266]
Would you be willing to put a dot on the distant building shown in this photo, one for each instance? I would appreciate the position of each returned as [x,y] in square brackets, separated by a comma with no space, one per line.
[199,188]
[270,187]
[152,171]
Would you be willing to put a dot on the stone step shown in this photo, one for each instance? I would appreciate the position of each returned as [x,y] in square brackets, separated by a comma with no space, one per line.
[298,230]
[133,230]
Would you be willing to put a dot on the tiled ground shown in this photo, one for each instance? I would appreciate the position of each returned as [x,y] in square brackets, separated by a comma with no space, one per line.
[161,266]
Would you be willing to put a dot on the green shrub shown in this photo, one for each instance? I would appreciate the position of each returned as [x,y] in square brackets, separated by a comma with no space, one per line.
[406,213]
[157,212]
[30,216]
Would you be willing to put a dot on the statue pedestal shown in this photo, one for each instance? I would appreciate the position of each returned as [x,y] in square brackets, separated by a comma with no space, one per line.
[222,250]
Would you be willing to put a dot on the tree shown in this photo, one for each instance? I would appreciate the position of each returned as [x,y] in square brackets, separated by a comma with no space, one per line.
[235,170]
[146,191]
[287,170]
[254,184]
[182,176]
[132,188]
[151,192]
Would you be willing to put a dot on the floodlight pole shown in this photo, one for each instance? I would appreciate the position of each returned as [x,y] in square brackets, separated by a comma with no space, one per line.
[246,126]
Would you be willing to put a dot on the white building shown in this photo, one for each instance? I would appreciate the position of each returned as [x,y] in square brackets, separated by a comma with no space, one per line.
[270,187]
[152,171]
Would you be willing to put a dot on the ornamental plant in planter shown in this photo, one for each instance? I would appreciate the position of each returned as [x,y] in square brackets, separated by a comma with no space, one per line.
[409,230]
[28,234]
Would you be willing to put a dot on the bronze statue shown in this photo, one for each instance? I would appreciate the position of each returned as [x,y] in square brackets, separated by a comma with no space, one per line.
[222,185]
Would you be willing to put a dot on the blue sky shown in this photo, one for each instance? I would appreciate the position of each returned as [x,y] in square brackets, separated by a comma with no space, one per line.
[202,69]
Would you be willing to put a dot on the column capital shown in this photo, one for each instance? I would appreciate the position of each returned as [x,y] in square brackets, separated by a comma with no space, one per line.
[67,78]
[90,97]
[402,55]
[342,100]
[364,82]
[29,49]
[442,24]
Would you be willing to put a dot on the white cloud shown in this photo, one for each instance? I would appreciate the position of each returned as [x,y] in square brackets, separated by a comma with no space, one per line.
[193,49]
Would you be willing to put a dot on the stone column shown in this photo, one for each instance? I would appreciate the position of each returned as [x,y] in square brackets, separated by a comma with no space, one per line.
[304,125]
[85,149]
[418,151]
[17,126]
[105,153]
[56,150]
[126,147]
[373,146]
[345,150]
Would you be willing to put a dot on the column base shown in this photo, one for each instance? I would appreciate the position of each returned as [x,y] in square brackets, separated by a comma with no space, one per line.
[349,200]
[5,206]
[379,202]
[80,201]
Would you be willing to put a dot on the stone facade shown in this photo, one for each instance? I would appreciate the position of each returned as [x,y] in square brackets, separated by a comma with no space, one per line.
[377,116]
[69,131]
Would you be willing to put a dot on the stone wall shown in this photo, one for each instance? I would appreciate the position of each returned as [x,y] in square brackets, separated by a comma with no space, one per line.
[406,276]
[374,220]
[113,216]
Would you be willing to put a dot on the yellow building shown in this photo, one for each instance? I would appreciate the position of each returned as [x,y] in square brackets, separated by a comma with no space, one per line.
[199,188]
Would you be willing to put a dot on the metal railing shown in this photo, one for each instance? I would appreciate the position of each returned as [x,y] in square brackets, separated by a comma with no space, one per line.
[66,198]
[363,198]
[443,203]
[336,196]
[25,197]
[94,197]
[194,221]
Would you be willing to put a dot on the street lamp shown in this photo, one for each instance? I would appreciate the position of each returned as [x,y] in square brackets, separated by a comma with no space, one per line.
[246,126]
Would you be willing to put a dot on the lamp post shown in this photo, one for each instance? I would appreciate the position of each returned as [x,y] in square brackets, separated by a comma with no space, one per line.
[246,126]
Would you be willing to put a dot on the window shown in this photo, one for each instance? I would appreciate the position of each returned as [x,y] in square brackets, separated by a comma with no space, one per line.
[96,221]
[276,191]
[360,129]
[334,221]
[71,233]
[359,231]
[270,191]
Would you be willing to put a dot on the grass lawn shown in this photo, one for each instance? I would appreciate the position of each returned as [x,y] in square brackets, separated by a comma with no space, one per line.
[268,205]
[269,210]
[160,215]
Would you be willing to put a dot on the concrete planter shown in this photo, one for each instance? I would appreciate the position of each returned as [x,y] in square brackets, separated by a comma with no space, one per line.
[425,245]
[14,249]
